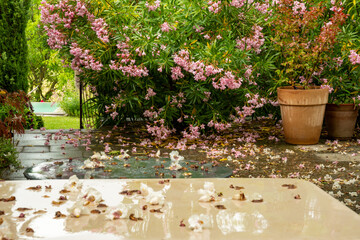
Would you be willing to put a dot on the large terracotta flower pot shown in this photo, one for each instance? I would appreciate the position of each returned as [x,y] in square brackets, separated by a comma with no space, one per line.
[340,120]
[302,113]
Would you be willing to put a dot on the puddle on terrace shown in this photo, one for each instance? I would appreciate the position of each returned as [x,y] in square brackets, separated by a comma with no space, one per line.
[134,167]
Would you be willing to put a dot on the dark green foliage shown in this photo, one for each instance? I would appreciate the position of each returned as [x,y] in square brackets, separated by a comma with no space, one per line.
[13,45]
[32,121]
[8,155]
[39,121]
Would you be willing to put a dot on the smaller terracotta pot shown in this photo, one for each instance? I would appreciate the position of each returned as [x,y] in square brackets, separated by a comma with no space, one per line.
[340,120]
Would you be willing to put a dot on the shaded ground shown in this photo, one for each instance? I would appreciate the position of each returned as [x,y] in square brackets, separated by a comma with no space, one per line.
[255,149]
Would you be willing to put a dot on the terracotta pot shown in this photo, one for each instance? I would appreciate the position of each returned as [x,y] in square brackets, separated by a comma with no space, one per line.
[340,120]
[302,113]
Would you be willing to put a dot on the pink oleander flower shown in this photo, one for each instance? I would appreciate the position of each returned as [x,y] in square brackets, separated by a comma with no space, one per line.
[207,37]
[82,58]
[153,7]
[158,130]
[193,133]
[165,27]
[263,8]
[238,3]
[99,26]
[339,61]
[198,28]
[354,57]
[228,81]
[326,86]
[254,42]
[151,113]
[214,6]
[299,8]
[176,73]
[114,114]
[150,93]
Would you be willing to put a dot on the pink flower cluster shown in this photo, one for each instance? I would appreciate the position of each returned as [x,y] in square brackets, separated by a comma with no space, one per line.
[63,14]
[99,26]
[158,130]
[214,6]
[263,8]
[299,8]
[165,27]
[178,100]
[238,3]
[228,81]
[176,73]
[253,103]
[153,114]
[82,58]
[130,70]
[339,61]
[56,40]
[82,11]
[140,53]
[114,115]
[202,71]
[354,57]
[335,8]
[150,93]
[110,108]
[326,86]
[249,137]
[219,126]
[198,28]
[194,132]
[254,42]
[127,64]
[153,7]
[211,70]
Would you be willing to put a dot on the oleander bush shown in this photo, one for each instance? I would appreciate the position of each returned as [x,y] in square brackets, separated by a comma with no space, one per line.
[185,66]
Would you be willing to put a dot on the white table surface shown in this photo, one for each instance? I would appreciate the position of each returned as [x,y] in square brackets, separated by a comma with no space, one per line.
[316,215]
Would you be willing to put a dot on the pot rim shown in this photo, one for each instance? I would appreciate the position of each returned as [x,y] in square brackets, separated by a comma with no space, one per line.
[291,88]
[341,106]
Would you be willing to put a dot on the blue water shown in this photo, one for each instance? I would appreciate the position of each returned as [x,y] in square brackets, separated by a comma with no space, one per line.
[44,107]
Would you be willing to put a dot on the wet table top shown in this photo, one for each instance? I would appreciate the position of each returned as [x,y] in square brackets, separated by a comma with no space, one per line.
[273,209]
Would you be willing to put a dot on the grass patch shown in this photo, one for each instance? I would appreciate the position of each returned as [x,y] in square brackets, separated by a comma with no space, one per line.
[61,122]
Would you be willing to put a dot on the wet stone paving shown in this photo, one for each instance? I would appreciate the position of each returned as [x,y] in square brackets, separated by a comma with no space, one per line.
[254,151]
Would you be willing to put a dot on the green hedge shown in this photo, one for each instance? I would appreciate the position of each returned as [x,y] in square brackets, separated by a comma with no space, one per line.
[13,45]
